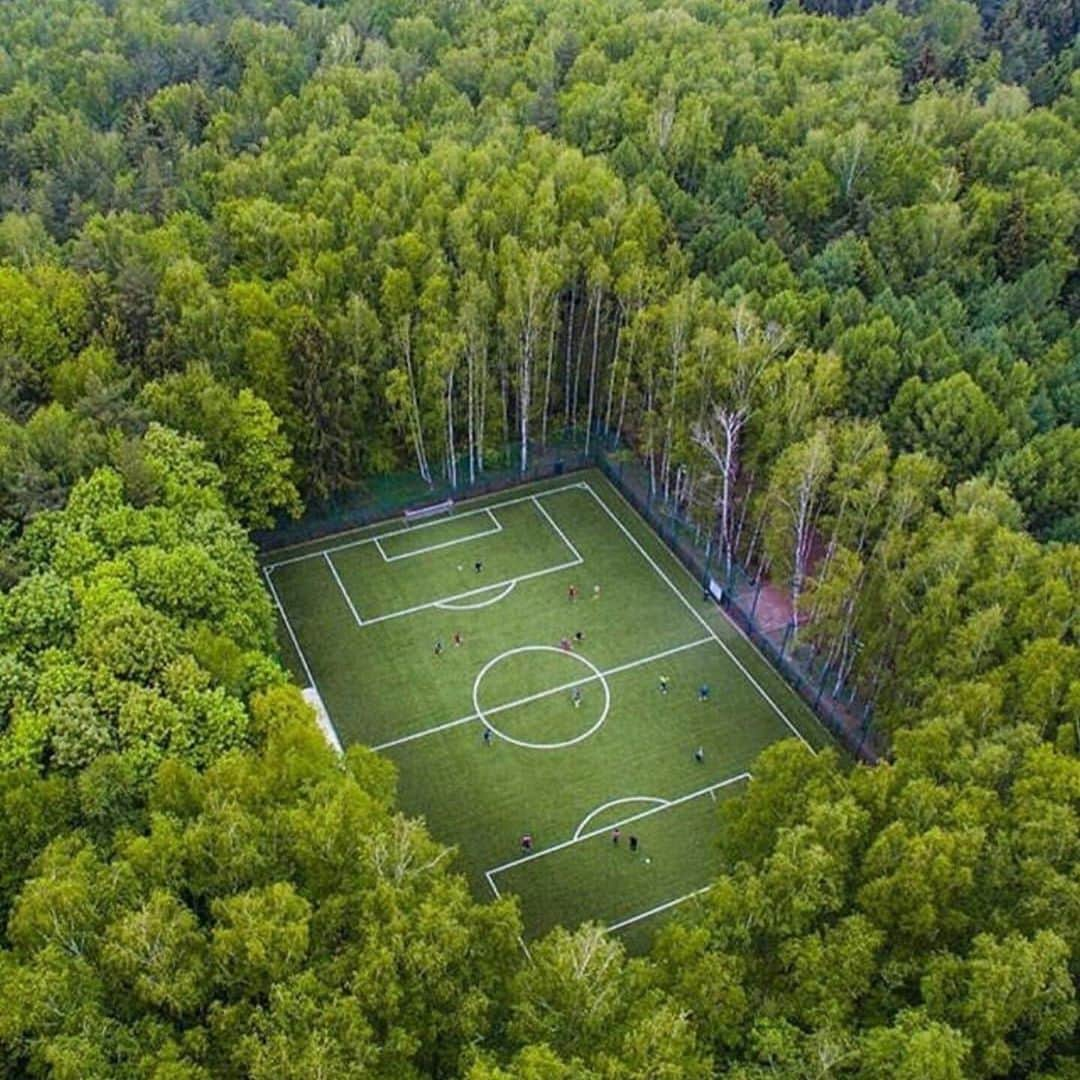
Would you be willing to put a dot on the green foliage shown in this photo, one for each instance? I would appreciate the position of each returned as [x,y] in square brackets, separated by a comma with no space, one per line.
[241,436]
[301,868]
[819,273]
[102,634]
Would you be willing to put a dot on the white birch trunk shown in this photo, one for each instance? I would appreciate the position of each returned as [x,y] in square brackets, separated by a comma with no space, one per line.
[417,424]
[547,376]
[450,447]
[592,369]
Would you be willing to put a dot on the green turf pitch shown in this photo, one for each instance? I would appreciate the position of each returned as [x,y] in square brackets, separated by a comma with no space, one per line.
[582,738]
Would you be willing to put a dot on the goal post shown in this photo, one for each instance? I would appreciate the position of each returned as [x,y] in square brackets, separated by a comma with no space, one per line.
[418,513]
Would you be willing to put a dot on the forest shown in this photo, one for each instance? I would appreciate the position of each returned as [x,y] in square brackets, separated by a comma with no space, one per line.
[814,265]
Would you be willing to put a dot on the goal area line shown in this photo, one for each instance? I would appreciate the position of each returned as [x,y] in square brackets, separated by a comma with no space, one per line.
[496,527]
[577,485]
[444,601]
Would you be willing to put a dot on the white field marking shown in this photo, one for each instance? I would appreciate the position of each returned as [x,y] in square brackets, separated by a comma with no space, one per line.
[498,895]
[288,625]
[470,592]
[379,548]
[578,484]
[697,615]
[541,694]
[738,778]
[618,802]
[507,590]
[336,742]
[312,697]
[597,674]
[341,586]
[656,910]
[427,731]
[445,544]
[562,535]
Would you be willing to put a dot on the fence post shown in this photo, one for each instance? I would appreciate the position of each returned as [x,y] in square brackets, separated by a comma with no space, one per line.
[787,637]
[863,733]
[753,606]
[821,685]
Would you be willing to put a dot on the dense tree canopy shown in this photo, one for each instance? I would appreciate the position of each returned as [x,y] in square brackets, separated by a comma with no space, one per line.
[819,274]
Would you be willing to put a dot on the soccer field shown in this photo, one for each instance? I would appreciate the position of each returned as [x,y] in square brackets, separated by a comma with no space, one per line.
[583,739]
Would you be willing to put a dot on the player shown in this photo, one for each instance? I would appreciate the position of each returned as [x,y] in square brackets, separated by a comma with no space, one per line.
[665,682]
[633,844]
[458,639]
[487,735]
[579,636]
[703,692]
[596,592]
[575,697]
[699,755]
[526,843]
[615,834]
[565,645]
[571,593]
[478,565]
[438,647]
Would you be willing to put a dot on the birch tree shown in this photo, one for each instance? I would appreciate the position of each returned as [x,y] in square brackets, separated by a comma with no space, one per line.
[529,280]
[474,321]
[402,392]
[740,363]
[794,501]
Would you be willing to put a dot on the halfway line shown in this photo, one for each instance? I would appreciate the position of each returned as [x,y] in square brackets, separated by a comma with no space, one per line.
[542,694]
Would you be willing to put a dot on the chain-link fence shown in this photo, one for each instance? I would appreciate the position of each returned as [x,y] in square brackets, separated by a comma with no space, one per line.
[757,607]
[387,496]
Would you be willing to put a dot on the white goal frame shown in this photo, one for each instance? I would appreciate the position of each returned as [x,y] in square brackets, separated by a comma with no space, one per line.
[417,513]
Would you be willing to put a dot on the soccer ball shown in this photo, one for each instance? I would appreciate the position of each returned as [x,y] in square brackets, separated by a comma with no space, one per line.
[647,860]
[460,567]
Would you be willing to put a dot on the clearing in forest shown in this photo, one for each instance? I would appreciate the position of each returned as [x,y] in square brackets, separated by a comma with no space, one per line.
[537,664]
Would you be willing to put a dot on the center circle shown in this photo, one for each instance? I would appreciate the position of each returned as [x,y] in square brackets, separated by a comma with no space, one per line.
[597,674]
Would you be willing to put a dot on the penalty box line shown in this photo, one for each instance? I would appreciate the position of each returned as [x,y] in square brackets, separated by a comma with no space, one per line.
[541,694]
[737,778]
[562,536]
[641,915]
[697,615]
[576,485]
[508,582]
[656,910]
[496,528]
[472,592]
[498,896]
[344,591]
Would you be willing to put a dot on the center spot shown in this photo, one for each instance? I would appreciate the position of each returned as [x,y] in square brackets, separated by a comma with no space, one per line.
[526,696]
